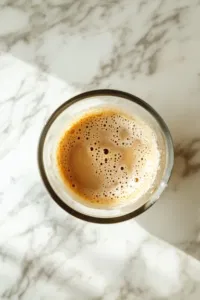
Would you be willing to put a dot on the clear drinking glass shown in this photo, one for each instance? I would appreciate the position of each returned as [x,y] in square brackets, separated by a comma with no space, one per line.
[64,116]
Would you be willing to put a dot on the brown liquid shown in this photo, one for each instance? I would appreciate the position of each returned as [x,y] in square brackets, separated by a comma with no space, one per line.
[103,157]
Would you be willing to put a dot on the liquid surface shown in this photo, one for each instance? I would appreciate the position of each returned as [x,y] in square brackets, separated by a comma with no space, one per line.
[108,158]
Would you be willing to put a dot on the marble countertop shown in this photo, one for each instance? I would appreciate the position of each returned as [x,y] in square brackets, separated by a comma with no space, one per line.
[51,50]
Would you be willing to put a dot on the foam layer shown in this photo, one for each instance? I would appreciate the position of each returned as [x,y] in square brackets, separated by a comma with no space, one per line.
[108,158]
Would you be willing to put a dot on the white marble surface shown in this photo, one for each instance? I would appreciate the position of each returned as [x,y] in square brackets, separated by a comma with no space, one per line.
[49,51]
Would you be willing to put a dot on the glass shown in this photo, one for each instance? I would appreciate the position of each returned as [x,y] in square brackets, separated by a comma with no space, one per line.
[63,117]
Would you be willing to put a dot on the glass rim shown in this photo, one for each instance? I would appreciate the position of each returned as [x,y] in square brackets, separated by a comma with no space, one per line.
[95,93]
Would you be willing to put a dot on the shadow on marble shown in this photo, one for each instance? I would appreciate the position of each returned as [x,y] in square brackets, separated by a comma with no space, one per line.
[175,218]
[141,281]
[84,43]
[135,279]
[64,40]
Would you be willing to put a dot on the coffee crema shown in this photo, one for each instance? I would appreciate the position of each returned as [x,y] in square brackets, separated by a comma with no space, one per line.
[108,158]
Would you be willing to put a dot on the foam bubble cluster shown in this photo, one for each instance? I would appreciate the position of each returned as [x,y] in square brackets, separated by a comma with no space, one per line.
[108,158]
